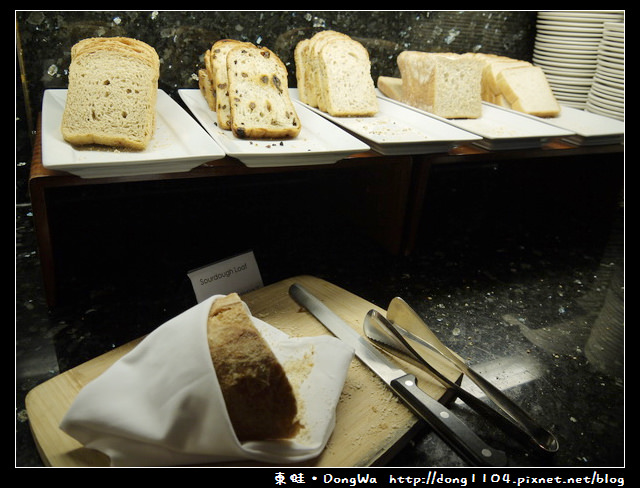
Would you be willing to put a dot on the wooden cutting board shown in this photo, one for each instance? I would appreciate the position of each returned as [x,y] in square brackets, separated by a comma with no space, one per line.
[371,423]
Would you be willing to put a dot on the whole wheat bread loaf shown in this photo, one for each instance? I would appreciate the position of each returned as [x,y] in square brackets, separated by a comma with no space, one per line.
[112,93]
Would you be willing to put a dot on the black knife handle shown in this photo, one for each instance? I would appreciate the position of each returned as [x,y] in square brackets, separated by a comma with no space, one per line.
[447,425]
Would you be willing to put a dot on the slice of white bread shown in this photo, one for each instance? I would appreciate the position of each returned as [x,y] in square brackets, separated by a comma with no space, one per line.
[260,400]
[391,87]
[112,93]
[445,84]
[527,90]
[219,52]
[346,88]
[261,107]
[490,90]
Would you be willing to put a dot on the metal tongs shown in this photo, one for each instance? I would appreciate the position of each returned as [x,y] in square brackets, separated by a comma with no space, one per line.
[388,334]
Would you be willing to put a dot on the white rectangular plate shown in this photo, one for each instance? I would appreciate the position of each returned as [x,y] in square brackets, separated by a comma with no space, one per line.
[397,130]
[590,129]
[501,128]
[319,141]
[178,144]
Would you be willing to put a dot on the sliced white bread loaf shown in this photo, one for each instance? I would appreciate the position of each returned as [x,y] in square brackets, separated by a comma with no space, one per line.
[261,107]
[345,85]
[391,87]
[112,93]
[527,90]
[491,92]
[445,84]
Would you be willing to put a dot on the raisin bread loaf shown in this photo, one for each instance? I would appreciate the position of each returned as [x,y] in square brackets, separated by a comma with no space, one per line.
[260,400]
[261,107]
[112,93]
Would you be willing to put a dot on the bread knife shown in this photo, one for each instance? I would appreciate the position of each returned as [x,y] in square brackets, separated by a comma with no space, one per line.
[444,422]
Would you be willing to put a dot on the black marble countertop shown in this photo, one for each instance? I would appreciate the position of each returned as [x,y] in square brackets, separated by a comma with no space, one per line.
[534,302]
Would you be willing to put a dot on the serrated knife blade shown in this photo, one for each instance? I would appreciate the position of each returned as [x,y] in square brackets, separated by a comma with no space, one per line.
[444,422]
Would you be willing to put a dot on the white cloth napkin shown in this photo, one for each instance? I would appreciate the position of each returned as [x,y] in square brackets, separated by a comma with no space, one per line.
[161,404]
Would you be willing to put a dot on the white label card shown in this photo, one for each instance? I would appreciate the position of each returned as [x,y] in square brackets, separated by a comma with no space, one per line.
[238,274]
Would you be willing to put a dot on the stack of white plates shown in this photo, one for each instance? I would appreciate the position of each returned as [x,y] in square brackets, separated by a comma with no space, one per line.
[606,96]
[566,48]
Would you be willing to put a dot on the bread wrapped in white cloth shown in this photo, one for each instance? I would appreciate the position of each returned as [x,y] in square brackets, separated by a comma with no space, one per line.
[162,403]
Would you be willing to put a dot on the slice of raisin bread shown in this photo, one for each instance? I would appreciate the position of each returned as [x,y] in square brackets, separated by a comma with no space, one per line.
[261,107]
[219,52]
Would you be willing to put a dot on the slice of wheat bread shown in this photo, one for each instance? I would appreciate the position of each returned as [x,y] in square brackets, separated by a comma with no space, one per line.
[261,107]
[312,69]
[112,93]
[345,82]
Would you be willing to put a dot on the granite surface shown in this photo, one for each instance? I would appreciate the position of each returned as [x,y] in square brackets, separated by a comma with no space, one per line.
[517,269]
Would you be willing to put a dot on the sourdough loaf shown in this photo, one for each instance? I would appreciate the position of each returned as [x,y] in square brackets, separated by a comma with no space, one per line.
[260,400]
[445,84]
[261,107]
[112,93]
